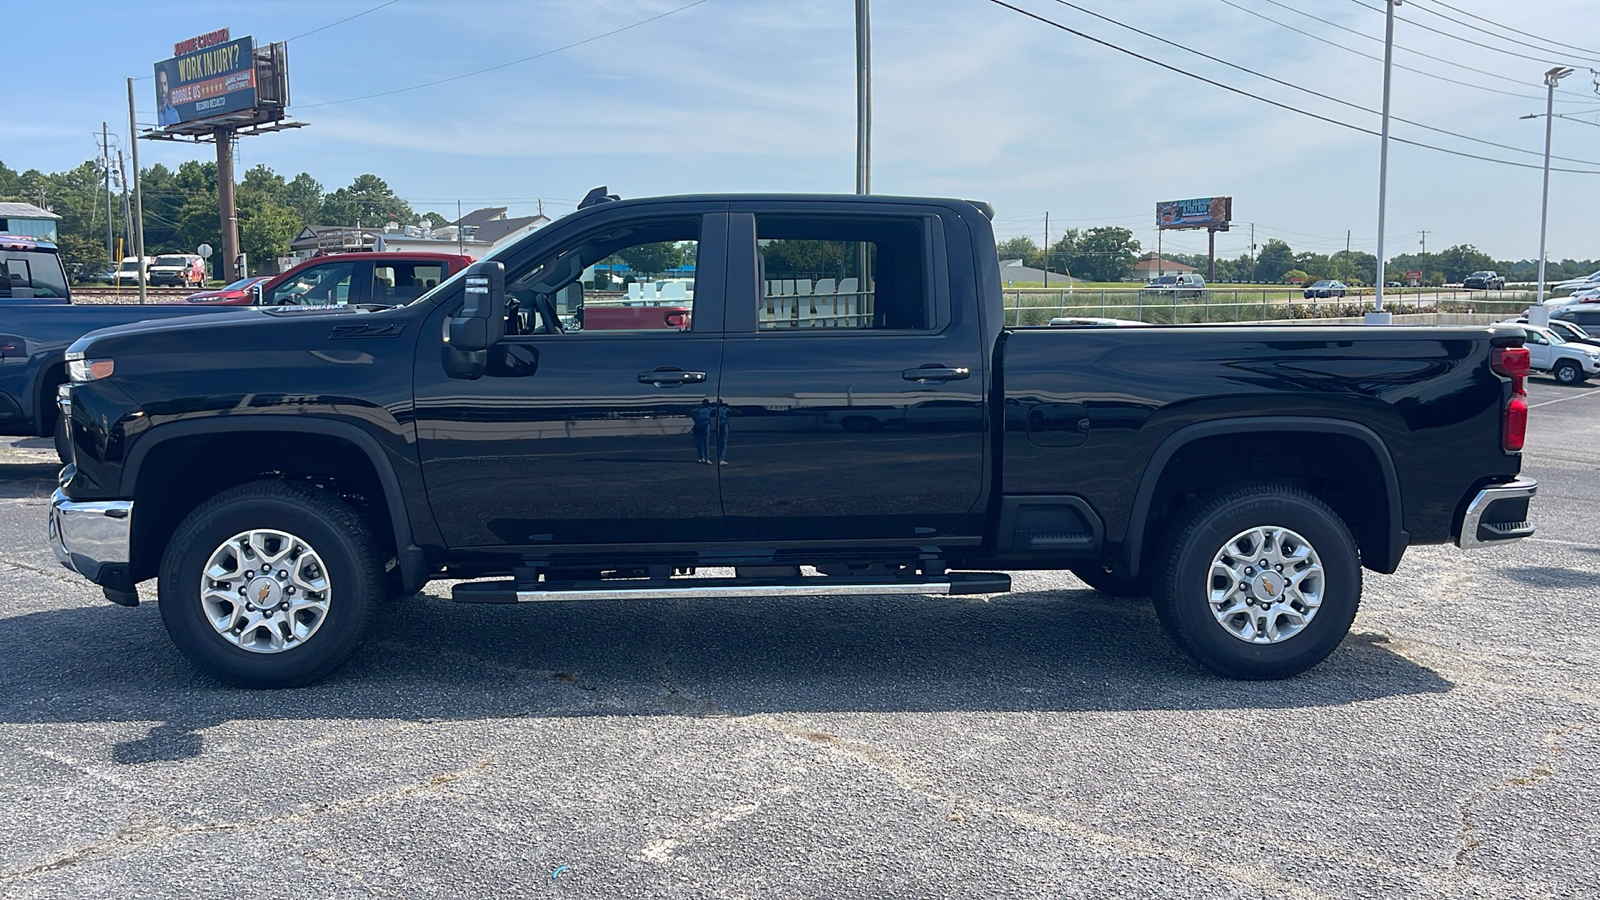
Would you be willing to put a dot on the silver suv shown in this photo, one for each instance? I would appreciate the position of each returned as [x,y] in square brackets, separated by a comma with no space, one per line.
[1187,285]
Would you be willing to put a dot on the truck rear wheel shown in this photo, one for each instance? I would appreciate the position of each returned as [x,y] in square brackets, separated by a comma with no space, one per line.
[1259,582]
[270,584]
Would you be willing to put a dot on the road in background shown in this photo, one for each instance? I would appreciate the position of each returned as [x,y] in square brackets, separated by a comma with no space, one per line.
[1044,743]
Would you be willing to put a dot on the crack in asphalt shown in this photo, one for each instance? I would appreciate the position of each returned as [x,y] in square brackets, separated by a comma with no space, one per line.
[1469,838]
[140,837]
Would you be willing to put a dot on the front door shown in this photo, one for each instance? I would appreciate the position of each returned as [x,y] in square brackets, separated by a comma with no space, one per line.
[588,435]
[855,394]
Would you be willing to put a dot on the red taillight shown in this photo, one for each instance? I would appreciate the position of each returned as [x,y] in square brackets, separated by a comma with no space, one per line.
[1516,430]
[1514,363]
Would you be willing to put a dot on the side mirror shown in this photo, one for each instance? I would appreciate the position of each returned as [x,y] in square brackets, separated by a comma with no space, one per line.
[482,320]
[255,293]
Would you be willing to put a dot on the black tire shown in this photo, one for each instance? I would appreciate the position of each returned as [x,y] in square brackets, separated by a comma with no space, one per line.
[339,537]
[1184,575]
[1109,583]
[1567,372]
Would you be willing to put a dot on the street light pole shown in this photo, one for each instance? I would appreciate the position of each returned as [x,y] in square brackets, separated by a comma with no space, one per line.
[863,97]
[1378,317]
[1551,79]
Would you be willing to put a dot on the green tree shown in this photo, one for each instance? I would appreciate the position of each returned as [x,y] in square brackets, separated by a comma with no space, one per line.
[303,195]
[1106,253]
[1022,248]
[1460,261]
[367,201]
[265,226]
[434,220]
[1275,259]
[652,259]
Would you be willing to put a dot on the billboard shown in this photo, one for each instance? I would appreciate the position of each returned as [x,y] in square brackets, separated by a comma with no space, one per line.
[211,81]
[1206,212]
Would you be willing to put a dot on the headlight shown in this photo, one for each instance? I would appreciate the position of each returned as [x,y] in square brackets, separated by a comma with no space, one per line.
[81,370]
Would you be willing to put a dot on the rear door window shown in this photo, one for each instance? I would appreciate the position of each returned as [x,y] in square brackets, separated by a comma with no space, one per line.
[28,275]
[400,282]
[857,273]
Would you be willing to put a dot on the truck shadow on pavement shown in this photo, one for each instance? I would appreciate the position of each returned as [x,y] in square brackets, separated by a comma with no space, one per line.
[430,660]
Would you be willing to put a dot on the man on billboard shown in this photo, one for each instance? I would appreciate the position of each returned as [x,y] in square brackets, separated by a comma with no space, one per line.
[166,113]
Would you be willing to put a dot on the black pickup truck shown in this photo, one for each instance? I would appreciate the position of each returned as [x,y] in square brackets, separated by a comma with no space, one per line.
[38,321]
[844,412]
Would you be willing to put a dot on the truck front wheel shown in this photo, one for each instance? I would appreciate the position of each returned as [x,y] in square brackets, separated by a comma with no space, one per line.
[270,584]
[1258,582]
[1567,372]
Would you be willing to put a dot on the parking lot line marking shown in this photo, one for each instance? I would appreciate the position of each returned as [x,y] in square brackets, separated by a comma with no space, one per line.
[1565,399]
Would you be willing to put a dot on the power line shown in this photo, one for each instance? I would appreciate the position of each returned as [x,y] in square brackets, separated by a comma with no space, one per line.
[1439,59]
[1314,93]
[589,40]
[342,21]
[1457,37]
[1270,102]
[1423,72]
[1441,15]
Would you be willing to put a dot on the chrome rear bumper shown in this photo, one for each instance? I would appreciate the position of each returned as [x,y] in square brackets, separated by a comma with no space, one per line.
[1498,513]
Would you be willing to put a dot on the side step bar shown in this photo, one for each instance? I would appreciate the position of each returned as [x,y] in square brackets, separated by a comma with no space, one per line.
[644,589]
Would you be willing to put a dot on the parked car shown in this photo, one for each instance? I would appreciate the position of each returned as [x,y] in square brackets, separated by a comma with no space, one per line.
[1484,281]
[1569,331]
[1585,315]
[1573,284]
[178,270]
[1325,288]
[128,271]
[39,321]
[1566,361]
[1577,298]
[347,279]
[1185,285]
[283,471]
[1093,322]
[240,292]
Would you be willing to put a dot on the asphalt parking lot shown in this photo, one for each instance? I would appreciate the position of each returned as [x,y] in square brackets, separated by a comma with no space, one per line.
[1045,743]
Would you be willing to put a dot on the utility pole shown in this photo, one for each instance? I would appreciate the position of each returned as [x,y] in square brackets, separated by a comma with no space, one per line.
[1378,318]
[105,155]
[1424,257]
[227,208]
[1252,253]
[138,201]
[1046,249]
[1347,242]
[1551,79]
[863,100]
[127,210]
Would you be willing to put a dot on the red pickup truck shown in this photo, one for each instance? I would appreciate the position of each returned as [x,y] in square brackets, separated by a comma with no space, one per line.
[383,279]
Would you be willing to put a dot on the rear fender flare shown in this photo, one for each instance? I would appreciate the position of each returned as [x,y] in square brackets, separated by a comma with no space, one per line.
[1131,557]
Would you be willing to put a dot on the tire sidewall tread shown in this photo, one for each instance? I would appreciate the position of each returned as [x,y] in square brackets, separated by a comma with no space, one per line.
[341,538]
[1184,610]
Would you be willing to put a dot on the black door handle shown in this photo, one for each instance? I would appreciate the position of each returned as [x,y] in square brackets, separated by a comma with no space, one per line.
[936,373]
[671,377]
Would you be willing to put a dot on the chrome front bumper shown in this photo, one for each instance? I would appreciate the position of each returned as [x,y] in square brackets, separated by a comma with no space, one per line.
[90,537]
[1498,514]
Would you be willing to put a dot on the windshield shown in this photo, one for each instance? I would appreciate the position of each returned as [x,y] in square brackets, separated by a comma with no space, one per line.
[129,265]
[1480,274]
[1166,279]
[241,284]
[170,260]
[1554,338]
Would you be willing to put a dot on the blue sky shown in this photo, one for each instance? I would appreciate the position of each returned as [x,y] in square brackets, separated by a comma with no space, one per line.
[971,100]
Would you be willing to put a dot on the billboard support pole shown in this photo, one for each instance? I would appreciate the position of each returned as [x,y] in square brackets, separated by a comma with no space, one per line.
[138,199]
[227,208]
[1211,261]
[1158,251]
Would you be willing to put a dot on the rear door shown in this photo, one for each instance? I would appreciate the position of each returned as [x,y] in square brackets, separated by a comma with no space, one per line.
[853,390]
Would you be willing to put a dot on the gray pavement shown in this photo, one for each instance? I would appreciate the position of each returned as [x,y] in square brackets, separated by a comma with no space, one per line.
[1045,743]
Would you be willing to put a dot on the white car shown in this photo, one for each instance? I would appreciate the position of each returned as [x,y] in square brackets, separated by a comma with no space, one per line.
[1569,331]
[1569,362]
[1587,281]
[1587,295]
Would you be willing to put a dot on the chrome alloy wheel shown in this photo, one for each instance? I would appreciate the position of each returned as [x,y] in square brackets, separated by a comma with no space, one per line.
[1265,585]
[265,591]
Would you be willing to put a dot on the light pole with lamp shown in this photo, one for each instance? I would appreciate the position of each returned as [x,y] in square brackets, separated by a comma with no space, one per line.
[1551,79]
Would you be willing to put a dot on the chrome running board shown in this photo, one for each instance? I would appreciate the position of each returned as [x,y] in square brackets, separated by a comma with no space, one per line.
[712,588]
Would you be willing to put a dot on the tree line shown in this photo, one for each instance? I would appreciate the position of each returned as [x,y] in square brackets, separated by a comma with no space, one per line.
[180,209]
[1109,254]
